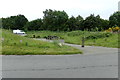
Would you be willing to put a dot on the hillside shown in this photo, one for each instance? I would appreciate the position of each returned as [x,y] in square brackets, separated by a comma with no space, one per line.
[13,44]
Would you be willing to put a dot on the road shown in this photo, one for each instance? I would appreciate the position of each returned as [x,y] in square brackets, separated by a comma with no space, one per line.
[96,62]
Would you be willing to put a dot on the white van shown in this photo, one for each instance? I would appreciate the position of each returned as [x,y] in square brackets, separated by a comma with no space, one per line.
[20,32]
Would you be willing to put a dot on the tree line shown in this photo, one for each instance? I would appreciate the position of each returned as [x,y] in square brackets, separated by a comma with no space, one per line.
[54,20]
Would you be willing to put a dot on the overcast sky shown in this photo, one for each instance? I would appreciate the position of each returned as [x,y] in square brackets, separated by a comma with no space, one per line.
[33,9]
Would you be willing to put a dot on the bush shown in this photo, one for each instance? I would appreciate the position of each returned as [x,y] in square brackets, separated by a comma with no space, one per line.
[113,29]
[98,35]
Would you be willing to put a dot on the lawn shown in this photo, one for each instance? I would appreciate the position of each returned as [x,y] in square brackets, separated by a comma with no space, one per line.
[105,39]
[13,44]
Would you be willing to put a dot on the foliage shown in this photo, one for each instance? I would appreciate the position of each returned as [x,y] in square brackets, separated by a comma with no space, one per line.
[98,35]
[113,29]
[94,23]
[54,20]
[14,22]
[74,23]
[34,25]
[115,19]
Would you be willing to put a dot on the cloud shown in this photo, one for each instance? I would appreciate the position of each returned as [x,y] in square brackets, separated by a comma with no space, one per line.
[33,9]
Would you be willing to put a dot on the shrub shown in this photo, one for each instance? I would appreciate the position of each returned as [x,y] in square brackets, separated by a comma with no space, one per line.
[98,35]
[113,29]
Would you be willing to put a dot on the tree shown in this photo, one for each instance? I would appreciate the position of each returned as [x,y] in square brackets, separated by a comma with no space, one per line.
[115,19]
[79,22]
[74,23]
[93,23]
[54,20]
[104,24]
[14,22]
[71,24]
[34,25]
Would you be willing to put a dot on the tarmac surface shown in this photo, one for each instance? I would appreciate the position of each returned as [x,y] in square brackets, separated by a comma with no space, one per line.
[96,62]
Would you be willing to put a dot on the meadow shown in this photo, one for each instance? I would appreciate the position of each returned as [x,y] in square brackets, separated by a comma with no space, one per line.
[13,44]
[105,39]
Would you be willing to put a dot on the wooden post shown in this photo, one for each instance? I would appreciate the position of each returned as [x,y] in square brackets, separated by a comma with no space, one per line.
[83,42]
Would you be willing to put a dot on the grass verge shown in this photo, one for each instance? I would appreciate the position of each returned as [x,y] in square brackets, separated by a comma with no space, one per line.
[13,44]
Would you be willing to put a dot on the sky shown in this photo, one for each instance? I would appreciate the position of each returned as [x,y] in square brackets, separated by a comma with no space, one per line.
[33,9]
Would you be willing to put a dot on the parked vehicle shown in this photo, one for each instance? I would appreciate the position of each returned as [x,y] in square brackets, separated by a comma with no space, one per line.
[20,32]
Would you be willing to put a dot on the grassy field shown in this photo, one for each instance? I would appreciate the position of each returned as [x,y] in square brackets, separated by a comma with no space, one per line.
[75,37]
[13,44]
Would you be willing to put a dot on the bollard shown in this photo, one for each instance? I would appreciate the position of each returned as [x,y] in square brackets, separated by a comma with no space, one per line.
[83,42]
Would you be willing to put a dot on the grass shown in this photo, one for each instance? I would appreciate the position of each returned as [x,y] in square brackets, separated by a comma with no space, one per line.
[104,39]
[111,41]
[13,44]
